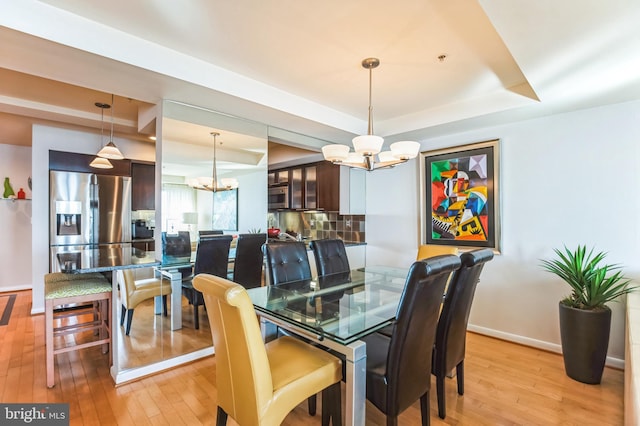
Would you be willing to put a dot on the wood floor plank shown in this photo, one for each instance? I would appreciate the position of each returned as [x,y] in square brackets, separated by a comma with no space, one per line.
[505,384]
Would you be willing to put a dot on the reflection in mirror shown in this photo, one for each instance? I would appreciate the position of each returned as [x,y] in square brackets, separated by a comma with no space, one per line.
[185,156]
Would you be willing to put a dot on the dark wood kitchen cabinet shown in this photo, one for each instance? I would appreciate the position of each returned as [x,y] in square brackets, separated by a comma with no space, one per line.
[143,186]
[325,186]
[314,186]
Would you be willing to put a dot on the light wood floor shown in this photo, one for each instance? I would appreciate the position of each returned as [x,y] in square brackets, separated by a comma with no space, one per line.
[506,384]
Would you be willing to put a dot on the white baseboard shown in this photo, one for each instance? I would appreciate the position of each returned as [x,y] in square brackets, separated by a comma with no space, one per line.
[534,343]
[15,288]
[137,373]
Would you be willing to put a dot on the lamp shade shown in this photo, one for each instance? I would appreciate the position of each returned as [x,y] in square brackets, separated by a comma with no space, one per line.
[190,218]
[205,181]
[405,150]
[111,152]
[386,156]
[354,158]
[367,144]
[335,152]
[101,163]
[229,182]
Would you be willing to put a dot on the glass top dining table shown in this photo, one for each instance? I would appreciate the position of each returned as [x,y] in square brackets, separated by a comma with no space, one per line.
[336,311]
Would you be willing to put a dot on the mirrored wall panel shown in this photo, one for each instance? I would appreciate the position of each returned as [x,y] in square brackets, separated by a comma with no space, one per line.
[210,177]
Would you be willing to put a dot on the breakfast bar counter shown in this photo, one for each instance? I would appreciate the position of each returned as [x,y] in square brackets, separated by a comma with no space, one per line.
[77,260]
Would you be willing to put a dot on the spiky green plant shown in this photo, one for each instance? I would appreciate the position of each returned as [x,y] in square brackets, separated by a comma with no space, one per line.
[592,285]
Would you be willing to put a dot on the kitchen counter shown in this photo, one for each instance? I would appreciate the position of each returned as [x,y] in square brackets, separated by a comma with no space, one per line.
[306,242]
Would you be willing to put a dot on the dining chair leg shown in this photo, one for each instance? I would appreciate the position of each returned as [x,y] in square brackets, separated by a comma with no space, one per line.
[164,305]
[460,377]
[123,311]
[196,319]
[221,419]
[312,403]
[392,420]
[424,409]
[129,319]
[332,405]
[442,412]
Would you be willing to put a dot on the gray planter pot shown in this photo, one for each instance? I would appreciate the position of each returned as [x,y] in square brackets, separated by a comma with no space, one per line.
[585,341]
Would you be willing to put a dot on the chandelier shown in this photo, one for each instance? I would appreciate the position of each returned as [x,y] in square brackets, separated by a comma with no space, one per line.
[211,183]
[368,147]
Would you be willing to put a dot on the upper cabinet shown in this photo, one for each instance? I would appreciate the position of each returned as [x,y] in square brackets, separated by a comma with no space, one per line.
[143,183]
[324,186]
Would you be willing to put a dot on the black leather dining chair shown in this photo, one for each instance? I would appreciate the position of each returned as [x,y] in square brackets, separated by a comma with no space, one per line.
[398,367]
[288,262]
[333,269]
[247,266]
[212,257]
[210,232]
[450,345]
[330,256]
[177,248]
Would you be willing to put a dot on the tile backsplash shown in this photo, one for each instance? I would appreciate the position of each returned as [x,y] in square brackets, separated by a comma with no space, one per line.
[319,225]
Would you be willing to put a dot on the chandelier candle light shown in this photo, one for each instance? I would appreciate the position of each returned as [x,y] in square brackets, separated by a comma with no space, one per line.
[211,183]
[368,146]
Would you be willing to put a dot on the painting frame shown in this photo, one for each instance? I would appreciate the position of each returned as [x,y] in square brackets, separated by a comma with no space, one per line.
[225,210]
[460,196]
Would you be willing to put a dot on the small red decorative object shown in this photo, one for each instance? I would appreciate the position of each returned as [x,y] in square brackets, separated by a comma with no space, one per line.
[21,194]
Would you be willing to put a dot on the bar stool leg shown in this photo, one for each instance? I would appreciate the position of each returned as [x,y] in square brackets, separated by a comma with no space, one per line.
[105,321]
[48,326]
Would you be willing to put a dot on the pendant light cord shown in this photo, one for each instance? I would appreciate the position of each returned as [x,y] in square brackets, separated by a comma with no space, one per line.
[214,184]
[370,127]
[111,137]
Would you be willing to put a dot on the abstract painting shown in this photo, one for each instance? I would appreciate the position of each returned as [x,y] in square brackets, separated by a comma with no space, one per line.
[225,210]
[459,196]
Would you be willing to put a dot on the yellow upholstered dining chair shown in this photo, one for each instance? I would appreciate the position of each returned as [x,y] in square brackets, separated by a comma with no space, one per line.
[133,291]
[426,251]
[258,383]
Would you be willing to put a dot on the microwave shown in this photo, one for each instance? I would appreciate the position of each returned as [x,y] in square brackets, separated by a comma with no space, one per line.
[278,197]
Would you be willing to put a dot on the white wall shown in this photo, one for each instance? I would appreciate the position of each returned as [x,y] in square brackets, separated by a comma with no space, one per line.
[252,201]
[45,138]
[565,179]
[15,220]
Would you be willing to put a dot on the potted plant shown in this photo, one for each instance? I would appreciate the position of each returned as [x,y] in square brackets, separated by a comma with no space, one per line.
[585,319]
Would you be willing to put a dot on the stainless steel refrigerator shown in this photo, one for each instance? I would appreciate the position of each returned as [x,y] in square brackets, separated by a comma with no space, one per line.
[90,214]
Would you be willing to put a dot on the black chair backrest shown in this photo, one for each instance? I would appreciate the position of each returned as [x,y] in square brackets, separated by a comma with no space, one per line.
[210,232]
[247,267]
[411,345]
[286,262]
[177,248]
[176,245]
[212,255]
[452,326]
[330,256]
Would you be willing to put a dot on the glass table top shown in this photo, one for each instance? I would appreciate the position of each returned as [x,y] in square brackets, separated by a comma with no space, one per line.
[341,307]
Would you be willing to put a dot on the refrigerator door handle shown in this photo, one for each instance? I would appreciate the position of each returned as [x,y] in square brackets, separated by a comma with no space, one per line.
[94,207]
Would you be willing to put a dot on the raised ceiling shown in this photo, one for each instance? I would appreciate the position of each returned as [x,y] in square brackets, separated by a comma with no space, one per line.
[296,65]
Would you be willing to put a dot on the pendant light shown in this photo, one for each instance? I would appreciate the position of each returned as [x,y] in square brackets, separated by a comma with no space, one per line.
[211,183]
[368,146]
[99,162]
[110,150]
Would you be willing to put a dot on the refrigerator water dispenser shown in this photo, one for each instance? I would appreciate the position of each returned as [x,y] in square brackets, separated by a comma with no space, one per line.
[68,218]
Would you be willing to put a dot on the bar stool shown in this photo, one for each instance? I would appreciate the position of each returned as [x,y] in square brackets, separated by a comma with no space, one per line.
[76,289]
